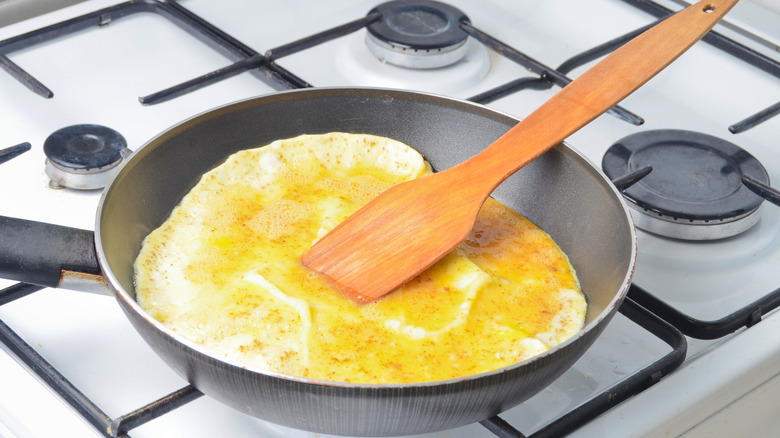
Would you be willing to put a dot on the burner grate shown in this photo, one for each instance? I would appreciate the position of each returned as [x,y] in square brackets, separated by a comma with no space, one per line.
[269,72]
[81,403]
[274,75]
[264,66]
[621,391]
[120,426]
[745,317]
[733,48]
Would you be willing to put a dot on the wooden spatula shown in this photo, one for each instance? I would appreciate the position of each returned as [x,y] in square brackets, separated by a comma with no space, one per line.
[409,227]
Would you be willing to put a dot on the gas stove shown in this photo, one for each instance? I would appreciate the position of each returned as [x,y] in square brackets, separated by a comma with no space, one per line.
[693,352]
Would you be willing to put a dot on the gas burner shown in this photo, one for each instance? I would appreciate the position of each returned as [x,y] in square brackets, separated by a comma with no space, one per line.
[418,34]
[81,156]
[695,190]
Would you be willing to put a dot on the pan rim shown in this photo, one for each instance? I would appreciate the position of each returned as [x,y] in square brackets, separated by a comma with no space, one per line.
[121,294]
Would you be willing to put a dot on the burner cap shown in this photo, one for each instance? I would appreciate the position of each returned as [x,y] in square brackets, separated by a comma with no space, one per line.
[80,156]
[695,189]
[417,34]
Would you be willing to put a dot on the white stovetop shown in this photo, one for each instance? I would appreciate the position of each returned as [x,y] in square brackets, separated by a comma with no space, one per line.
[96,77]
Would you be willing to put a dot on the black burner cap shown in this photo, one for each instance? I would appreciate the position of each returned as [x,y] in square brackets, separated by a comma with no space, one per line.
[84,146]
[695,176]
[418,24]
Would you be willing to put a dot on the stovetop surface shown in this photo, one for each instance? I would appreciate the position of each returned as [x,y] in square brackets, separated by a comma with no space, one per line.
[97,75]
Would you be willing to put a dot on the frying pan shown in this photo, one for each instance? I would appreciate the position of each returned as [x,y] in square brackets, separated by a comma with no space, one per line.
[561,192]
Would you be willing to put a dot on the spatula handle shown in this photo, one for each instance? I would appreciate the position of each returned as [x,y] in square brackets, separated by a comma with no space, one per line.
[595,91]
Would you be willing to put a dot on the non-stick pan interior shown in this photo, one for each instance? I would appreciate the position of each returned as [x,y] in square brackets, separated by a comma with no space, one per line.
[560,192]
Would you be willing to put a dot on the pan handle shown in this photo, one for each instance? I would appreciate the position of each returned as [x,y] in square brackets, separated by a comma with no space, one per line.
[49,255]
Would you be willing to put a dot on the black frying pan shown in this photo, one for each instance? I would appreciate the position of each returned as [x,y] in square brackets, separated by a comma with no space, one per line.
[578,207]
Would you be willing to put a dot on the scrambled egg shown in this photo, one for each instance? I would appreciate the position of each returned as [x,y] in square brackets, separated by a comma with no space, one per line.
[224,272]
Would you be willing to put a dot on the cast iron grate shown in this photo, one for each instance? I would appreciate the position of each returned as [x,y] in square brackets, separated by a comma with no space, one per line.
[747,316]
[120,426]
[265,66]
[733,48]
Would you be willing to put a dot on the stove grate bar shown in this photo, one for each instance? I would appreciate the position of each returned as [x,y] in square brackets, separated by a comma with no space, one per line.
[549,75]
[207,79]
[25,78]
[511,87]
[176,399]
[770,194]
[733,48]
[623,182]
[716,39]
[322,37]
[57,30]
[747,316]
[257,61]
[756,119]
[85,407]
[270,73]
[17,291]
[500,428]
[12,152]
[244,65]
[601,50]
[621,391]
[571,421]
[54,379]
